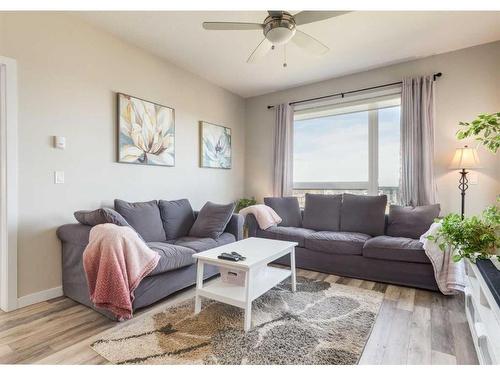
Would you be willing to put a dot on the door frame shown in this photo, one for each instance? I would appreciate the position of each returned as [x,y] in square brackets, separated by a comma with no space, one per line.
[8,185]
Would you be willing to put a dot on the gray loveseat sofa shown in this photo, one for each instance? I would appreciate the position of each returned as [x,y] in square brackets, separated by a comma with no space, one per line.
[350,235]
[166,227]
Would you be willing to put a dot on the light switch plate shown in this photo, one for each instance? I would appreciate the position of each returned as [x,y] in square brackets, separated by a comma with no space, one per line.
[59,177]
[59,142]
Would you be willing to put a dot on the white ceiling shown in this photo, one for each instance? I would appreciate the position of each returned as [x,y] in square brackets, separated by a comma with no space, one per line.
[358,41]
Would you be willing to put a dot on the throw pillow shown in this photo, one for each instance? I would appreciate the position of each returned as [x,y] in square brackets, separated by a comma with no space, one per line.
[287,208]
[212,220]
[322,212]
[363,214]
[144,217]
[411,222]
[100,216]
[177,217]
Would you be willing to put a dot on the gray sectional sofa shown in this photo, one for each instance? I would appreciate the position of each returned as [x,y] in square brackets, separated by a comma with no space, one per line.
[170,228]
[350,235]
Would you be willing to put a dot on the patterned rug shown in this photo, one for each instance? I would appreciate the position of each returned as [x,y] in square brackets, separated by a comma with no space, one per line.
[322,323]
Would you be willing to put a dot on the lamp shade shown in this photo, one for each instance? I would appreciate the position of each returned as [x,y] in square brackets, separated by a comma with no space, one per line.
[465,158]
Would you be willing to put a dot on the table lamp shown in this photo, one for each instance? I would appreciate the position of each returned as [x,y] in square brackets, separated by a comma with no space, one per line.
[464,158]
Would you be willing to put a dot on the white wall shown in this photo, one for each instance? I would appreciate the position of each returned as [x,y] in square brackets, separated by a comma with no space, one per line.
[470,85]
[68,74]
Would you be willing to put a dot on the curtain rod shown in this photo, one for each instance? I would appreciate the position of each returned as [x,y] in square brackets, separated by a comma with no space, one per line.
[342,94]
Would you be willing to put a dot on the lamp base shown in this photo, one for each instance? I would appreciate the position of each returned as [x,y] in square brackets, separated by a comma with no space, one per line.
[463,186]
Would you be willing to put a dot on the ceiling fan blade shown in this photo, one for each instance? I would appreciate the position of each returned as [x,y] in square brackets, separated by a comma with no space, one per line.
[232,26]
[308,16]
[262,49]
[309,43]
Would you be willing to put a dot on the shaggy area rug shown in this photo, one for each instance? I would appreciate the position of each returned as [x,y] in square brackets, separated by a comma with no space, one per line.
[322,323]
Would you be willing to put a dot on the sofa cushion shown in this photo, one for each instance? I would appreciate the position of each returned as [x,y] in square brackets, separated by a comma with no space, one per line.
[363,214]
[344,243]
[212,220]
[285,234]
[395,248]
[322,212]
[172,257]
[177,217]
[411,222]
[144,217]
[287,208]
[206,243]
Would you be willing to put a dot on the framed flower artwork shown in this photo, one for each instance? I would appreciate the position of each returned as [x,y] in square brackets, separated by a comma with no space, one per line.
[146,132]
[215,146]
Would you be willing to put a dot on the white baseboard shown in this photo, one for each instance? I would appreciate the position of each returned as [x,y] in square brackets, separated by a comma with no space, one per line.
[41,296]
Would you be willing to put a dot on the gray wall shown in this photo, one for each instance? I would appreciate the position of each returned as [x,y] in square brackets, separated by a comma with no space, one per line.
[470,85]
[68,75]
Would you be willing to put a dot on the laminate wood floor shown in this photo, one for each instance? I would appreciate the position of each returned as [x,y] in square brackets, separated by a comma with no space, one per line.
[413,327]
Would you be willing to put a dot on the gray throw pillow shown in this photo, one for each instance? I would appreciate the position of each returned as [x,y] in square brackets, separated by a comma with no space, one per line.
[363,214]
[177,217]
[144,217]
[322,212]
[212,220]
[411,222]
[100,216]
[287,208]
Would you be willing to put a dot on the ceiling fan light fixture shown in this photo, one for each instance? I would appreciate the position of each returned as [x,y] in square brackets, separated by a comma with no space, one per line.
[280,35]
[280,27]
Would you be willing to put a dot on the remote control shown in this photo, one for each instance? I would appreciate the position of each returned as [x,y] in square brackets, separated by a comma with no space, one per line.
[238,255]
[227,256]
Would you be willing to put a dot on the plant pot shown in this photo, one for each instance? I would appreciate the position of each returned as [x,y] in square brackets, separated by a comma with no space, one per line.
[495,262]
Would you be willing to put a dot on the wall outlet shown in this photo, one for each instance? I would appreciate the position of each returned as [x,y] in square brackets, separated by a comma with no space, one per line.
[59,177]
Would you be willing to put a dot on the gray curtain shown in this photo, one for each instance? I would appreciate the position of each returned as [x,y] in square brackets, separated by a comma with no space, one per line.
[283,151]
[418,186]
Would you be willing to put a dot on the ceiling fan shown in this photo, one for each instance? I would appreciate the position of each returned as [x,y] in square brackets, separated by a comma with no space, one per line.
[279,28]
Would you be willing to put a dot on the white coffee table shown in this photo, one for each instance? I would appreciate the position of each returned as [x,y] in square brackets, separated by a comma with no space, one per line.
[259,252]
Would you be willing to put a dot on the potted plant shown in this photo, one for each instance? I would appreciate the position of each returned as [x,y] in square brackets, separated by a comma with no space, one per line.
[476,237]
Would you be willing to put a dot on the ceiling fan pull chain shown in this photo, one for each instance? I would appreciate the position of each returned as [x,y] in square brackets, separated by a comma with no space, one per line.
[284,63]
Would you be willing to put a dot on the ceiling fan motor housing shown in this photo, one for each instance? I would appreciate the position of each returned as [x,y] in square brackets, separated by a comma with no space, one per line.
[279,30]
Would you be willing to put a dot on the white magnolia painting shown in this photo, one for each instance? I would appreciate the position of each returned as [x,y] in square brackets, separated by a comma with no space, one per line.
[215,141]
[146,132]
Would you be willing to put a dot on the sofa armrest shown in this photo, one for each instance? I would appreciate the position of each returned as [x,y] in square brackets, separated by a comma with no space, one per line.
[235,226]
[74,233]
[251,223]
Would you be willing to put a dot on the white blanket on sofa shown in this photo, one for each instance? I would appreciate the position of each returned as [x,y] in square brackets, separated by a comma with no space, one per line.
[450,275]
[266,217]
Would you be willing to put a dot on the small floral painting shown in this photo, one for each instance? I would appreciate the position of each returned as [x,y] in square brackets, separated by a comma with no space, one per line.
[215,142]
[146,132]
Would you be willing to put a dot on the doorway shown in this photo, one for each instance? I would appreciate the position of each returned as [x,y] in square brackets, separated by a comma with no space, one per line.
[8,184]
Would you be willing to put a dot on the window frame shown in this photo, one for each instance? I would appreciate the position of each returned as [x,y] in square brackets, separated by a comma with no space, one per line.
[372,185]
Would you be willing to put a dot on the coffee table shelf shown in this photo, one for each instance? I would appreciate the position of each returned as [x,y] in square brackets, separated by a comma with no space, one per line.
[236,295]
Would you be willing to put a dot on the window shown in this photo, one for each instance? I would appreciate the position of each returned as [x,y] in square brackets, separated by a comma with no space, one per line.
[348,147]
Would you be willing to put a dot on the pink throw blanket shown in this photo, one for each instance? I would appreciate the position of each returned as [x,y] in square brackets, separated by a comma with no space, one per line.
[115,262]
[266,217]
